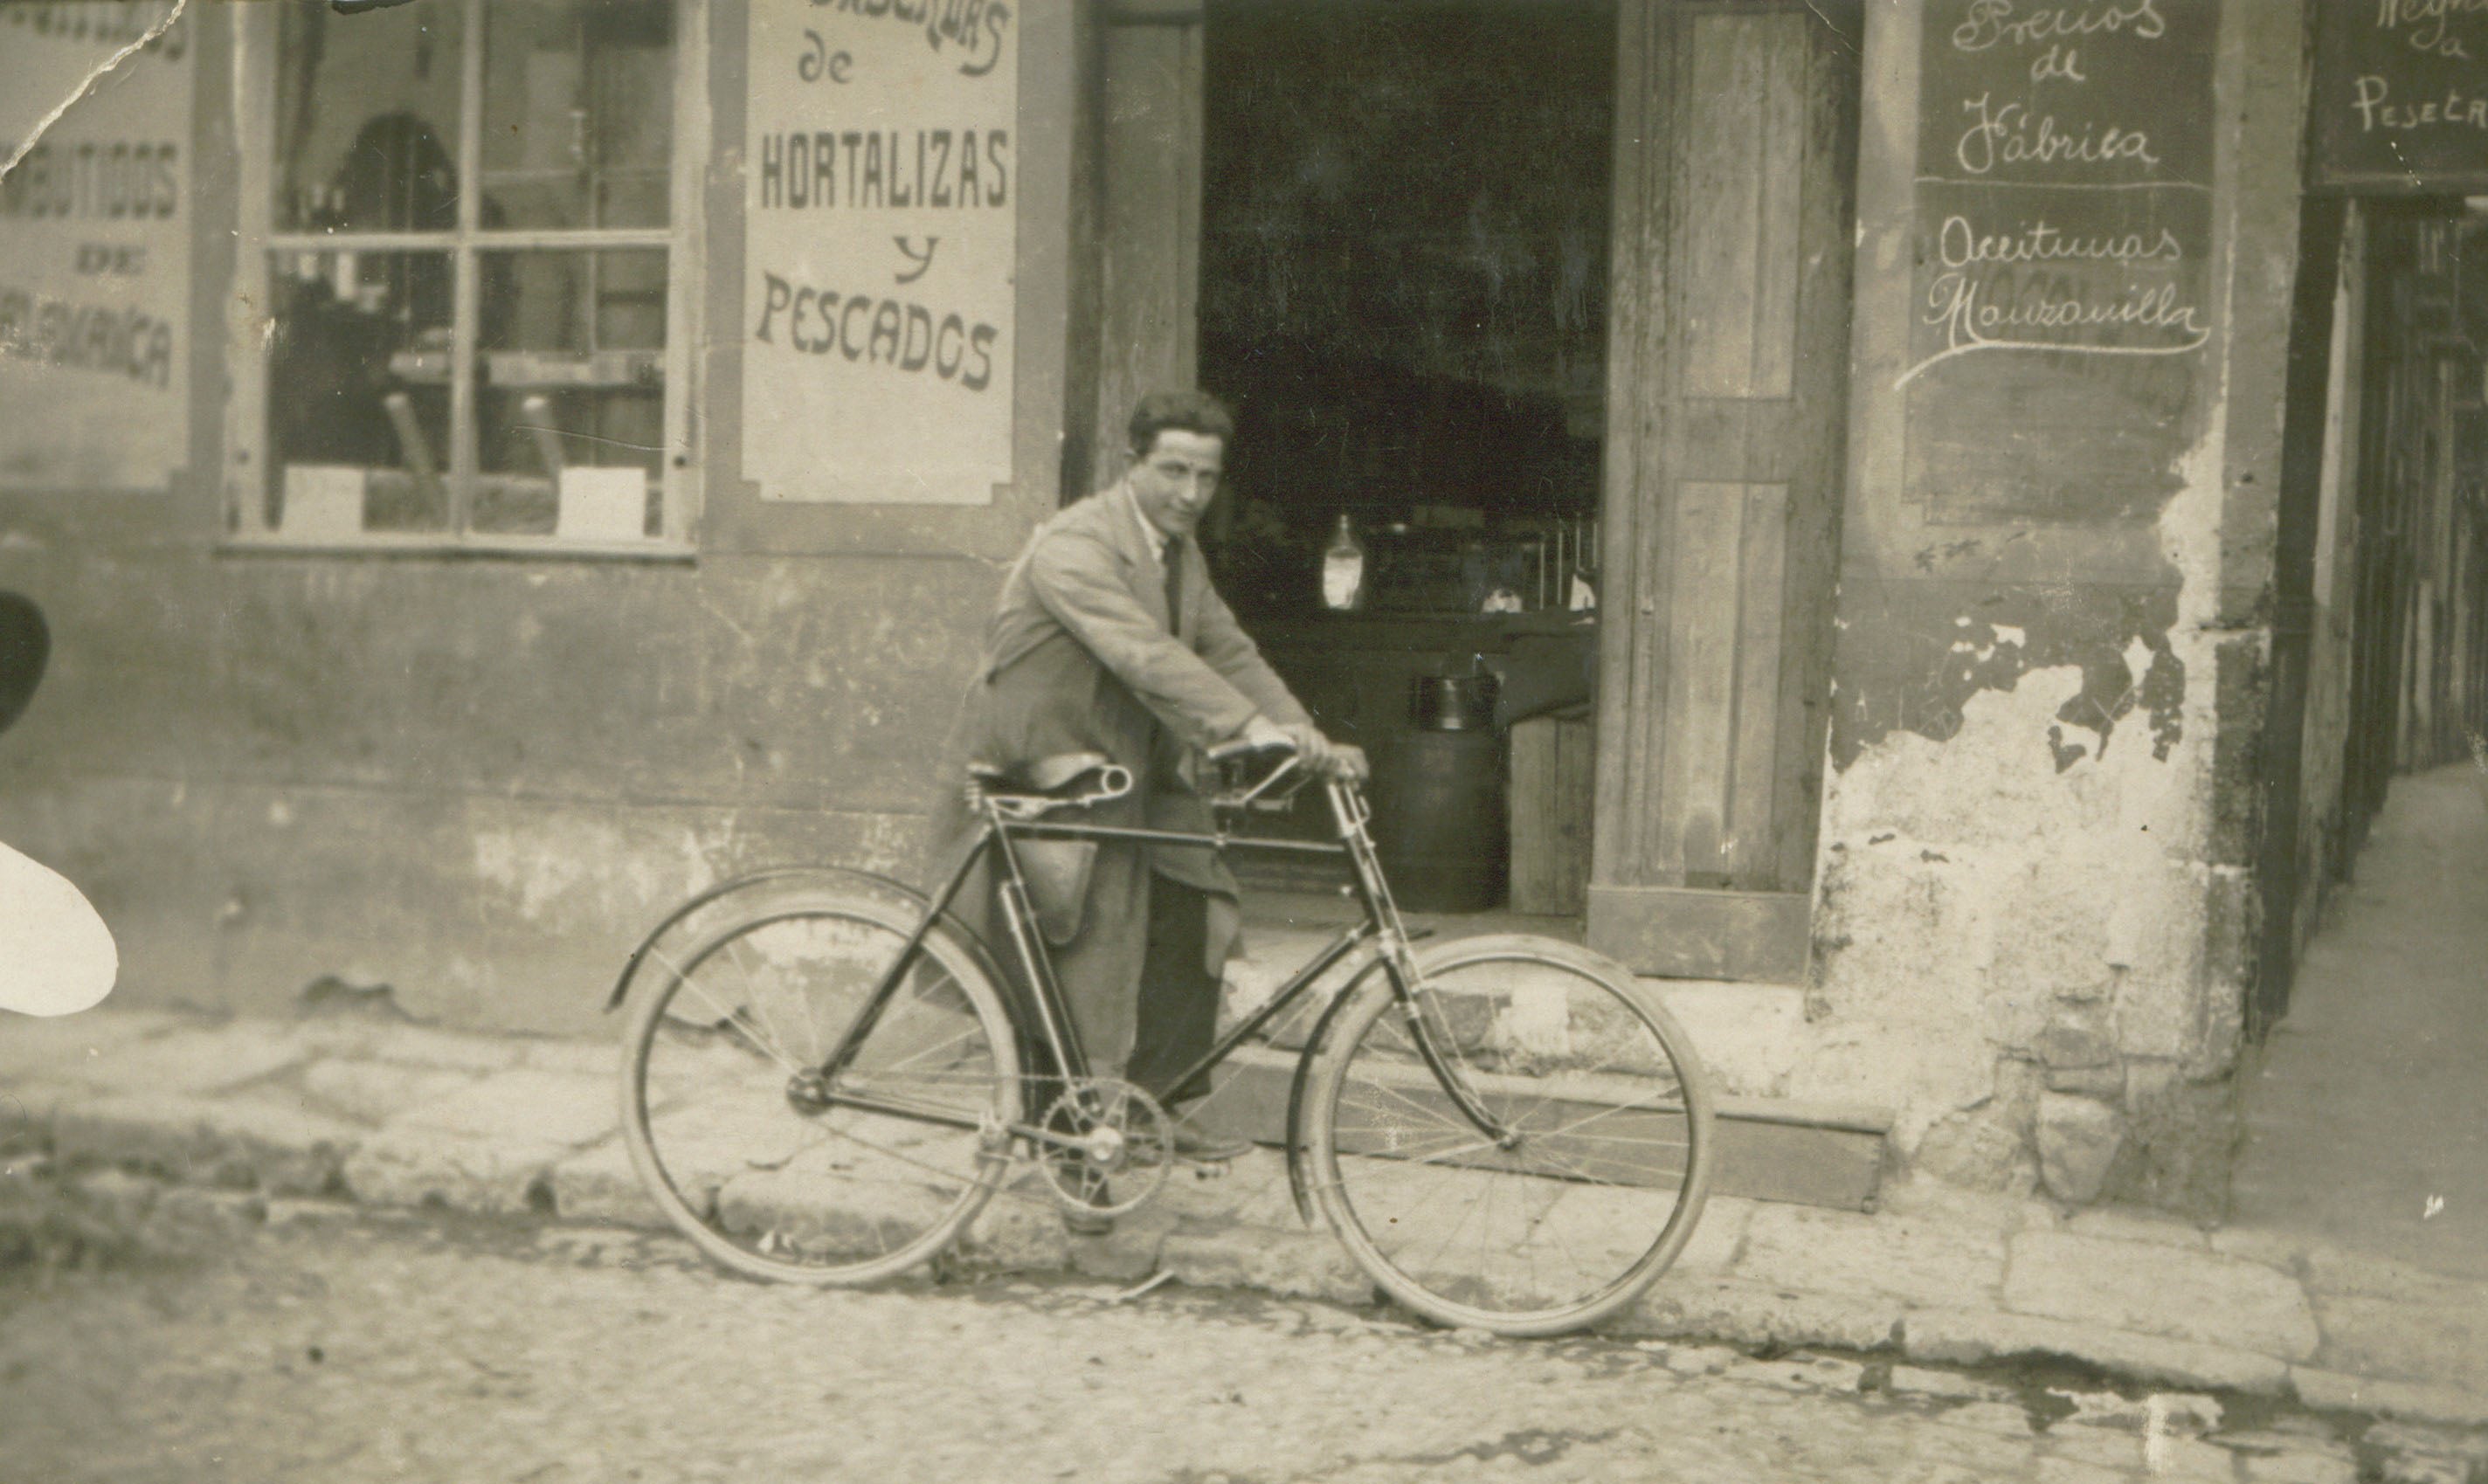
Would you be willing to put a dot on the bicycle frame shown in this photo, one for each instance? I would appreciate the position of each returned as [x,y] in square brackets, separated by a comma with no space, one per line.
[996,835]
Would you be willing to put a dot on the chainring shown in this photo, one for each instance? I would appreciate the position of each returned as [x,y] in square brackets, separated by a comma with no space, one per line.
[1121,1147]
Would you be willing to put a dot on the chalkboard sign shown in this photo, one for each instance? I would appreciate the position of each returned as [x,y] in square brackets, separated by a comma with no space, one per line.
[2401,97]
[2063,226]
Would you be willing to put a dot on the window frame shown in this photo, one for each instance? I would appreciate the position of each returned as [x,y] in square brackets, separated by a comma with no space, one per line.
[249,326]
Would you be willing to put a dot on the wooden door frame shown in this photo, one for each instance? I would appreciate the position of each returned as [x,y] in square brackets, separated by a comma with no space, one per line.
[1144,128]
[2298,518]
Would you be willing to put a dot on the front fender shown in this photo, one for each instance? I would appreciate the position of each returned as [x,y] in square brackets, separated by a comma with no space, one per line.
[1320,1037]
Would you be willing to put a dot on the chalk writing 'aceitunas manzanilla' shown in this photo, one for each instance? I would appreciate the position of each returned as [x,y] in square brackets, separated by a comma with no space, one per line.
[1975,313]
[1961,245]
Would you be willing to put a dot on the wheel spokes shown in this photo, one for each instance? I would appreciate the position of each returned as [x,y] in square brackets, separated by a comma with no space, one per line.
[1566,1210]
[773,1170]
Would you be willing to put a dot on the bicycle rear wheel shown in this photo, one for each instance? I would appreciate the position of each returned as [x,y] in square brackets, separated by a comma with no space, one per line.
[729,1129]
[1597,1186]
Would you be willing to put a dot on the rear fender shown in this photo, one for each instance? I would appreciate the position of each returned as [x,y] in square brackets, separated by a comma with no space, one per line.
[787,876]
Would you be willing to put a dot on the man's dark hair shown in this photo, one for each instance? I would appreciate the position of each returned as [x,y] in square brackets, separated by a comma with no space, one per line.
[1183,411]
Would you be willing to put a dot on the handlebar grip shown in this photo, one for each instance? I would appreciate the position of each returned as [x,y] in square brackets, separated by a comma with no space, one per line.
[1229,752]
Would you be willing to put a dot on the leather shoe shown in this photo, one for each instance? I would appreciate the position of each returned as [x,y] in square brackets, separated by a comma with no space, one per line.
[1193,1141]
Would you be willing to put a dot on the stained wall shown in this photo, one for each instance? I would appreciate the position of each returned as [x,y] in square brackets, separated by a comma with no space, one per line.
[2033,922]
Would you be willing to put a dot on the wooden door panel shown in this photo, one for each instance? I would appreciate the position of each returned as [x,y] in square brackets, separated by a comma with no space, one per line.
[1744,147]
[1756,787]
[1727,614]
[1701,695]
[1726,439]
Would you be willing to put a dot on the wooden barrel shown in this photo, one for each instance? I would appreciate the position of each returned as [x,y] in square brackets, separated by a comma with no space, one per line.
[1439,823]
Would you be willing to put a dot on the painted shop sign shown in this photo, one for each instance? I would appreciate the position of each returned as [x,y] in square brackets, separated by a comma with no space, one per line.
[95,249]
[2400,101]
[881,177]
[2063,233]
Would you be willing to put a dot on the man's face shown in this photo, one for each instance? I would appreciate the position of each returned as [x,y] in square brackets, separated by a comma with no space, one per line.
[1175,478]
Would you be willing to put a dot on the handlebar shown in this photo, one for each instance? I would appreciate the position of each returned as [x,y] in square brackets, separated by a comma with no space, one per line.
[1257,796]
[1238,750]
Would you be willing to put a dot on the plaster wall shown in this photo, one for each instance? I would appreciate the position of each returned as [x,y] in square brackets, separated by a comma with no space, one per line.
[472,781]
[2031,928]
[479,779]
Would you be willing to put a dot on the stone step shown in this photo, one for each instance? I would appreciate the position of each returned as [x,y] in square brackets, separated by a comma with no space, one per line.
[1779,1149]
[1748,1035]
[1771,1147]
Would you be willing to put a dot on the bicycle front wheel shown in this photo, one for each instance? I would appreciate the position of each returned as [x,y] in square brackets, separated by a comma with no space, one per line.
[751,1155]
[1586,1175]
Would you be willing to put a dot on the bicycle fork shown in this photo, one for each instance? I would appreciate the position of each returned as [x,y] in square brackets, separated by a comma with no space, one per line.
[1397,957]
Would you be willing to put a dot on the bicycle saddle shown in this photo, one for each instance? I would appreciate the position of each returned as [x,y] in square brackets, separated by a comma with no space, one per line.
[1065,776]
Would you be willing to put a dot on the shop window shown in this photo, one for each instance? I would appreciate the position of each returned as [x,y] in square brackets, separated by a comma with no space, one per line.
[473,275]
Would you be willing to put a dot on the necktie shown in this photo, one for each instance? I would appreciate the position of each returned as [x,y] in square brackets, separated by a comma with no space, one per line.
[1174,556]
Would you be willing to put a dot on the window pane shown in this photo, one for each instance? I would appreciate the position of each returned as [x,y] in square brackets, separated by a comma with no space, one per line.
[358,393]
[578,112]
[571,408]
[367,119]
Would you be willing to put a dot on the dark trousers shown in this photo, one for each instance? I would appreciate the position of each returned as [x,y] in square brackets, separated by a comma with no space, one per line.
[1178,1005]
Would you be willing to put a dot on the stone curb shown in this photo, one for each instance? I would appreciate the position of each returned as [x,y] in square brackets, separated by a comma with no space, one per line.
[1967,1336]
[2412,1401]
[395,1115]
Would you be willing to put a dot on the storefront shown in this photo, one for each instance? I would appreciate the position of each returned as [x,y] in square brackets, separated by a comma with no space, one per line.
[596,433]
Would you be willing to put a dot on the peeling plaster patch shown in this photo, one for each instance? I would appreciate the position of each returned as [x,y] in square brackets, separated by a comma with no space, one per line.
[2066,753]
[2048,886]
[1921,657]
[1885,912]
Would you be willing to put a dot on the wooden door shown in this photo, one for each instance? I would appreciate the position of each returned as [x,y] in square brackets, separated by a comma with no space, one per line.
[1727,382]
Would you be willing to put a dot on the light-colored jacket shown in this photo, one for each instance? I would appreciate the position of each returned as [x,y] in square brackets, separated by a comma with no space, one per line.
[1082,655]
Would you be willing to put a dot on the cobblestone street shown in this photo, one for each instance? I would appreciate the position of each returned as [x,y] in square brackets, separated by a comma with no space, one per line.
[421,1347]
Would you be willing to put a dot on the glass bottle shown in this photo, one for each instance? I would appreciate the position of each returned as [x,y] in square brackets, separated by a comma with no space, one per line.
[1342,569]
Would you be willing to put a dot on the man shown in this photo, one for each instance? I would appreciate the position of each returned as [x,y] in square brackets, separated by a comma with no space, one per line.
[1108,637]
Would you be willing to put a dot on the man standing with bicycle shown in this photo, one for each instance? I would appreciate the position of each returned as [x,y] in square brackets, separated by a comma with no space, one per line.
[1109,639]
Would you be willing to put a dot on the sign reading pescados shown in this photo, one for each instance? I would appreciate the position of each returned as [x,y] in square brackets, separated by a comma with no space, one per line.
[2063,229]
[880,233]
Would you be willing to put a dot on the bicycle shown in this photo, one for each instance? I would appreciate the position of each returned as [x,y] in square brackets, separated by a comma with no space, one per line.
[827,1076]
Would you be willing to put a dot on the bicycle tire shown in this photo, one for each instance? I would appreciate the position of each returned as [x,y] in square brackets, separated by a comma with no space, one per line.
[771,1188]
[1571,1223]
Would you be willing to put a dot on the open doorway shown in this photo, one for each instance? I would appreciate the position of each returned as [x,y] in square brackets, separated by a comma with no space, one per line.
[1549,303]
[2364,1118]
[1404,263]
